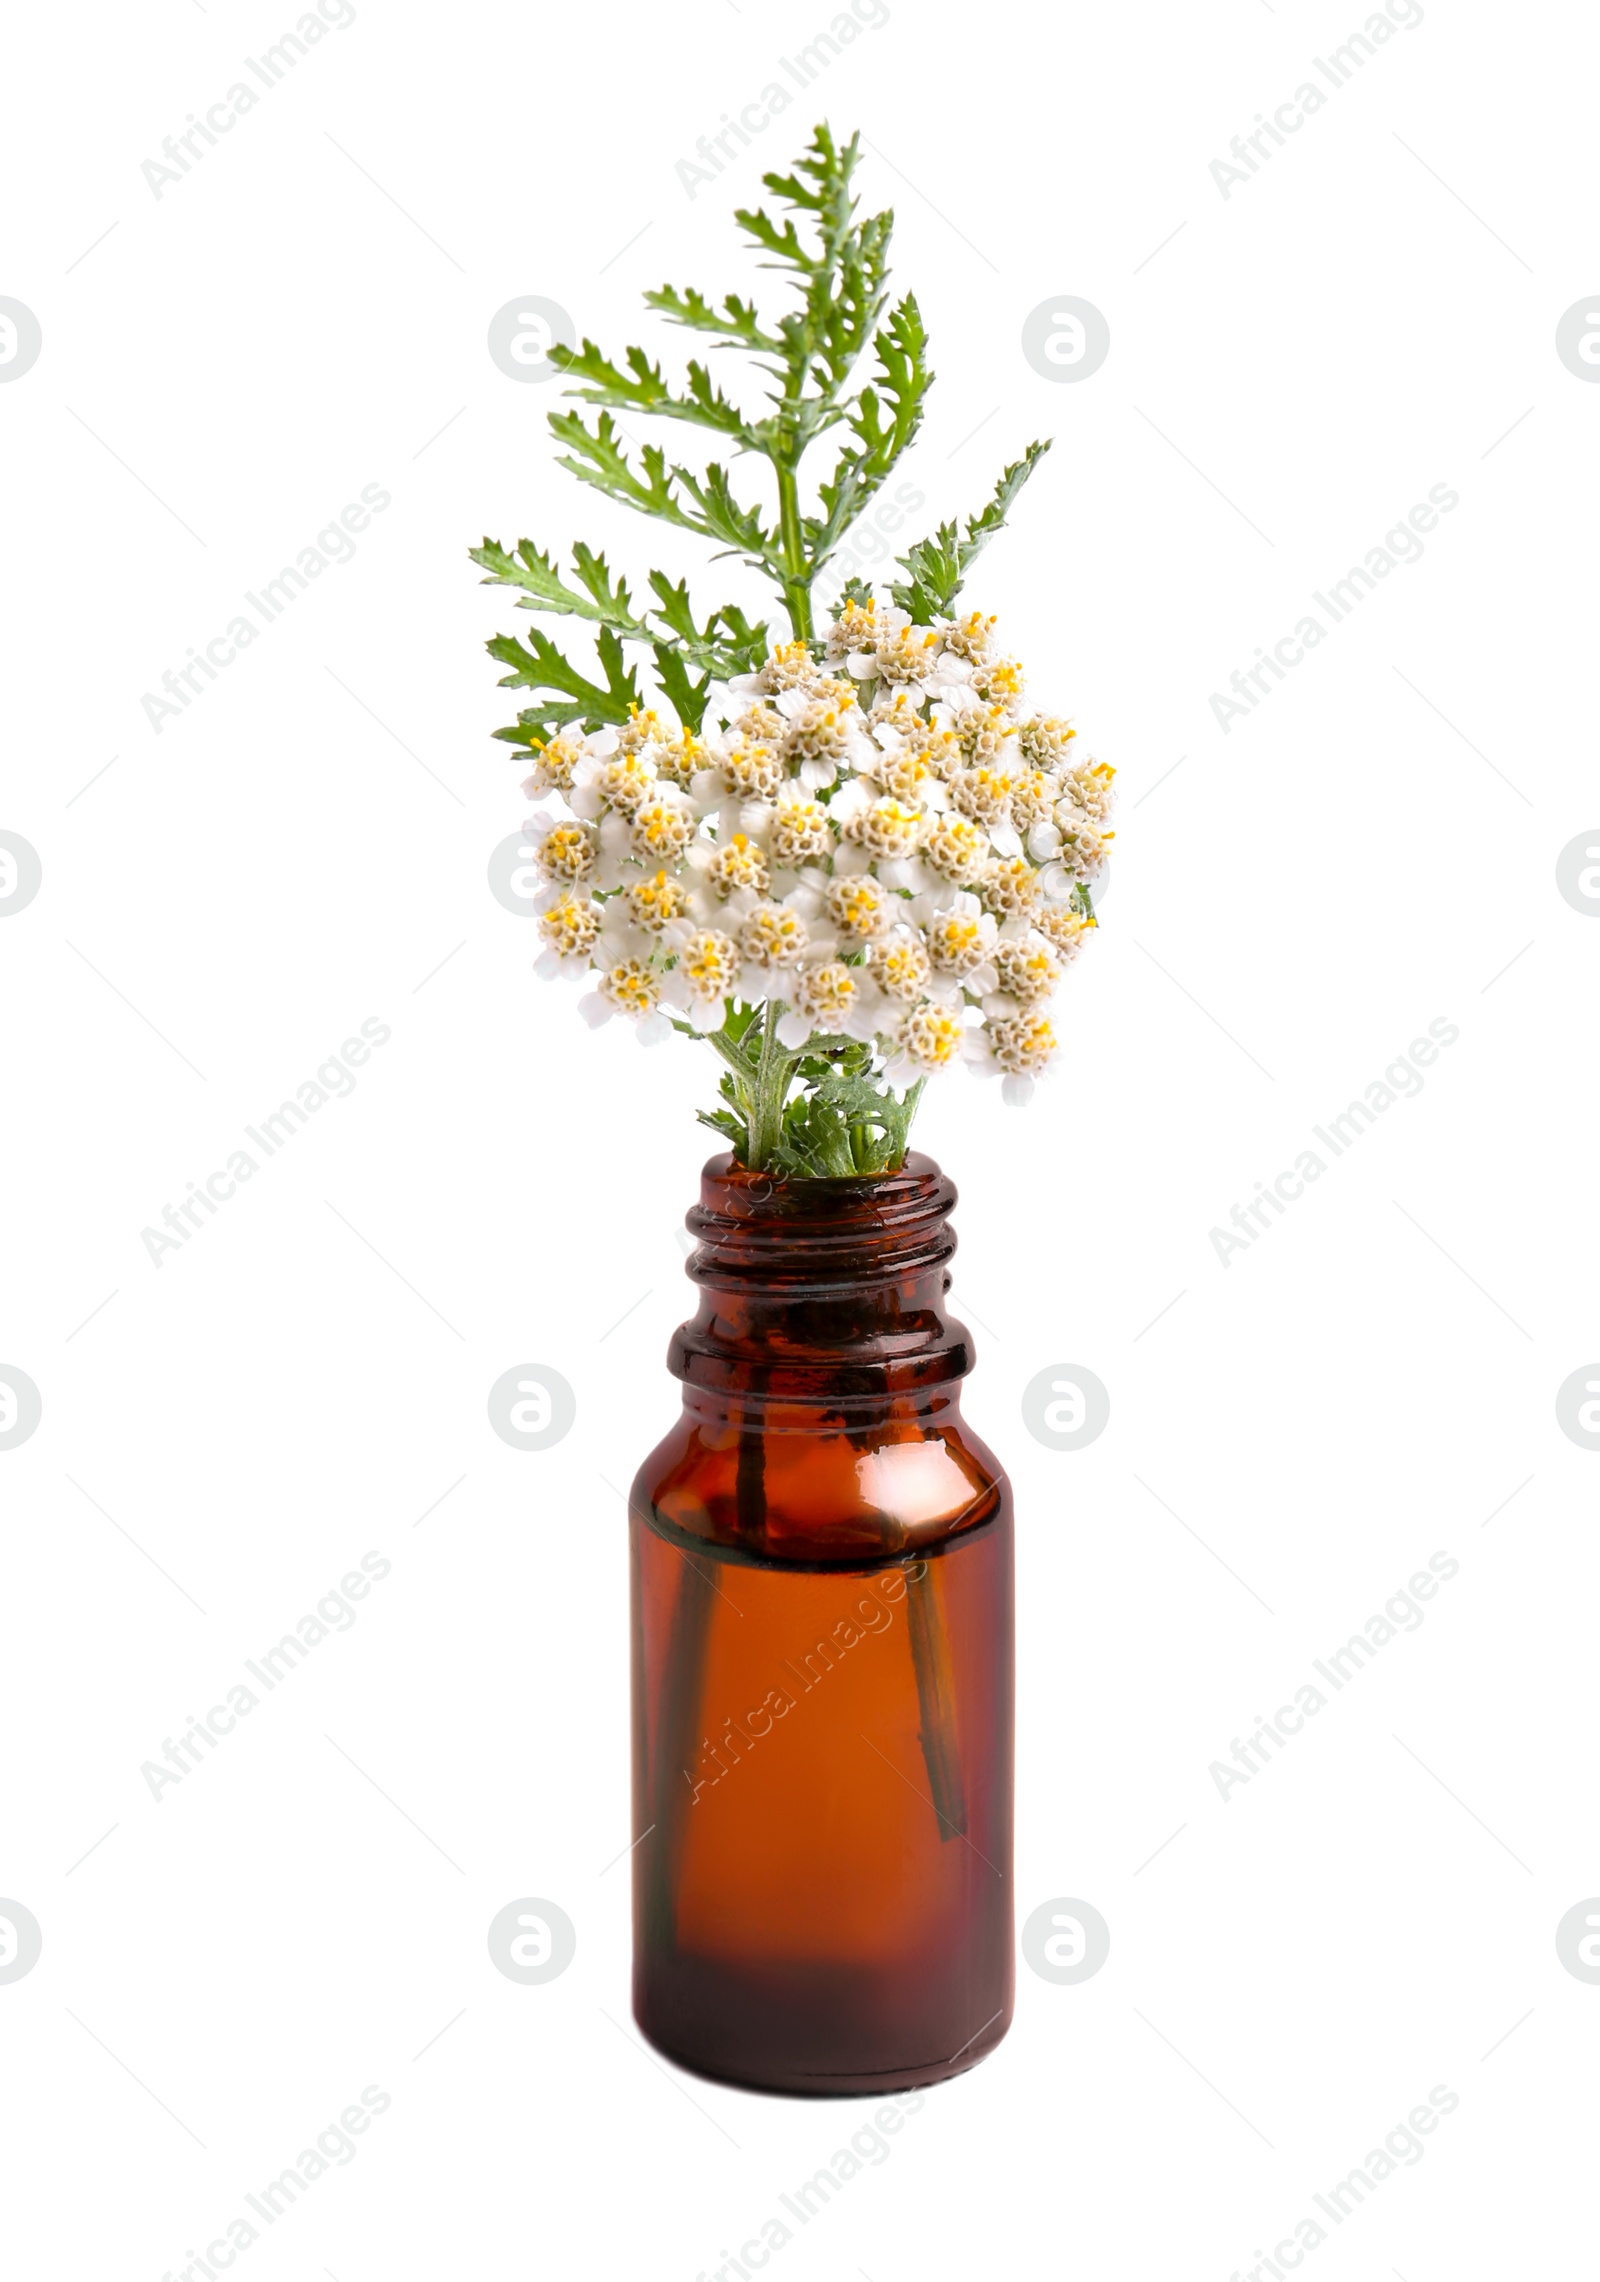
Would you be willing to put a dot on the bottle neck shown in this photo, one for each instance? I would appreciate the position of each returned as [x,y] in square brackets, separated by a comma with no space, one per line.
[821,1291]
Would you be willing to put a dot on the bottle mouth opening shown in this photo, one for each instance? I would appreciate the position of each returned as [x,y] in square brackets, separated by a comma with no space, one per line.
[809,1238]
[731,1191]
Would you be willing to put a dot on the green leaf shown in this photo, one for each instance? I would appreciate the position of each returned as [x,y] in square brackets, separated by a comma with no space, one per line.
[744,647]
[537,664]
[736,324]
[782,242]
[684,694]
[595,457]
[904,379]
[982,527]
[722,517]
[642,389]
[844,279]
[724,1121]
[544,589]
[727,644]
[672,605]
[938,565]
[902,359]
[829,170]
[848,295]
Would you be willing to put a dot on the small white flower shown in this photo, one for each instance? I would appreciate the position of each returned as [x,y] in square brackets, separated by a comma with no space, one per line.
[554,764]
[1065,928]
[741,864]
[903,652]
[886,829]
[982,794]
[759,723]
[998,681]
[632,988]
[661,830]
[956,849]
[926,1039]
[568,927]
[970,637]
[705,969]
[1022,1045]
[961,939]
[858,907]
[799,831]
[791,666]
[1026,970]
[640,729]
[622,783]
[1088,788]
[824,733]
[1033,797]
[896,713]
[900,966]
[1009,886]
[906,772]
[773,935]
[988,738]
[1044,740]
[566,852]
[653,900]
[1083,845]
[857,627]
[678,759]
[831,997]
[747,769]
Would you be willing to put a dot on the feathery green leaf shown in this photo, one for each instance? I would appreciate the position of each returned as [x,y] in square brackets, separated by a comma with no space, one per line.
[938,565]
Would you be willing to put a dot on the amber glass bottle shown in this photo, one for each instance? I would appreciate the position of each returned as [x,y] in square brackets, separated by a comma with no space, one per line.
[822,1655]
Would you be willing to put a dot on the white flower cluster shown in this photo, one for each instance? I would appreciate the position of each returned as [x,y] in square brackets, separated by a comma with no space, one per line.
[887,844]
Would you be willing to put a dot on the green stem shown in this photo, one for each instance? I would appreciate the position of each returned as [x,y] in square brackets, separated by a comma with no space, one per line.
[797,582]
[767,1092]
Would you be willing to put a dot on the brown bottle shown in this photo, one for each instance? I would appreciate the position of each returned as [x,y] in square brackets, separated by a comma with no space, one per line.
[822,1655]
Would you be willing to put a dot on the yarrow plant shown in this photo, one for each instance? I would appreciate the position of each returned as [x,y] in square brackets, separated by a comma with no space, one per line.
[851,859]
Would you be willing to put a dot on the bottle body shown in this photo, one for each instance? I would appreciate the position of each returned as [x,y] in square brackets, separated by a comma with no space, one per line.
[822,1681]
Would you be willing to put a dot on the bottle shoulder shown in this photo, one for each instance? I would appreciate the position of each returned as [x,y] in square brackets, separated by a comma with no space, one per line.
[821,1492]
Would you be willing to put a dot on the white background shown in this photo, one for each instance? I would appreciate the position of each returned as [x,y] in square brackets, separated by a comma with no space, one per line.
[1371,314]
